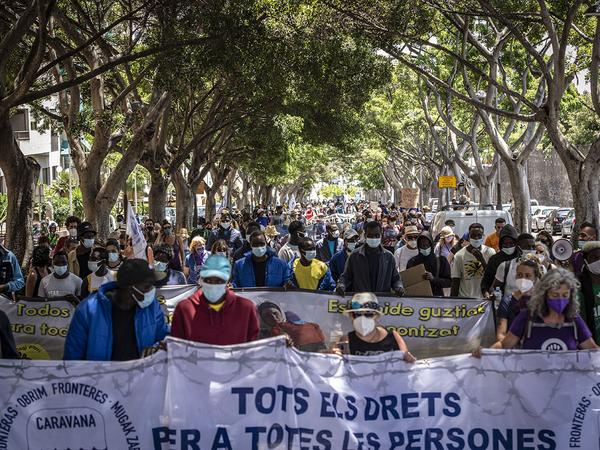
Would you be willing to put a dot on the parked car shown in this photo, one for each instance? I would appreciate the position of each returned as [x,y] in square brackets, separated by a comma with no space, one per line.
[553,223]
[540,215]
[568,224]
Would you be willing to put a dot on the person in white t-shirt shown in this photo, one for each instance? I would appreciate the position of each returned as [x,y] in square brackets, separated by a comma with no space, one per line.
[469,265]
[100,272]
[60,283]
[408,251]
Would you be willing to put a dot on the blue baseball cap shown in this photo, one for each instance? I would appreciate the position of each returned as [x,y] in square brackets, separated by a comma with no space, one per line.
[216,266]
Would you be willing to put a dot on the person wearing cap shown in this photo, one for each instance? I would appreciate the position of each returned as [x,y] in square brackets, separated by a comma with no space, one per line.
[445,242]
[437,268]
[589,292]
[370,268]
[78,258]
[369,338]
[338,261]
[226,232]
[308,272]
[330,244]
[305,336]
[163,258]
[408,251]
[215,314]
[120,320]
[99,272]
[260,267]
[470,264]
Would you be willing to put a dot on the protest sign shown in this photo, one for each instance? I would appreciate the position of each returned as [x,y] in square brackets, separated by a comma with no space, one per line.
[265,395]
[134,231]
[39,326]
[430,326]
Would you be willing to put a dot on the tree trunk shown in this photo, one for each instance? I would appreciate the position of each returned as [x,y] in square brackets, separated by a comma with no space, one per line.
[102,222]
[157,197]
[21,174]
[585,184]
[210,203]
[184,202]
[520,192]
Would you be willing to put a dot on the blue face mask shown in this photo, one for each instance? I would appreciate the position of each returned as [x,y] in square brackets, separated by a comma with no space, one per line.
[509,250]
[259,251]
[310,255]
[148,297]
[60,270]
[160,266]
[477,243]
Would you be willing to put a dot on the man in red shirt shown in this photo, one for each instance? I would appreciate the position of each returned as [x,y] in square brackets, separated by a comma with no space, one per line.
[215,315]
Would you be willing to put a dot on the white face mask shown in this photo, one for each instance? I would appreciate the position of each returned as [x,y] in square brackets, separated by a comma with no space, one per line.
[160,266]
[594,267]
[73,232]
[373,242]
[351,246]
[113,257]
[93,266]
[148,297]
[524,284]
[411,244]
[88,243]
[364,325]
[225,225]
[541,257]
[335,234]
[213,292]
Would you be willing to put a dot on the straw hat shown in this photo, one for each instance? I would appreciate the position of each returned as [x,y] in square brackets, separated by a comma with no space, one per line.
[271,231]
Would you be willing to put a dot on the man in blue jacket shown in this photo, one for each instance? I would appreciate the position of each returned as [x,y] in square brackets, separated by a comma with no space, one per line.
[11,277]
[338,262]
[120,320]
[260,267]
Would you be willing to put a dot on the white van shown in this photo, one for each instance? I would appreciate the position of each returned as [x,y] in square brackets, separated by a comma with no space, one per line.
[464,218]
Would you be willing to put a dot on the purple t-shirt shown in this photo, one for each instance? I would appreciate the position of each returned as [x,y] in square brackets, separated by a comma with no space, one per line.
[550,337]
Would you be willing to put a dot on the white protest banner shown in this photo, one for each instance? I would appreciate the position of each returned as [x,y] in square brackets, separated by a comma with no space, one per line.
[39,327]
[134,231]
[81,405]
[169,296]
[265,395]
[430,326]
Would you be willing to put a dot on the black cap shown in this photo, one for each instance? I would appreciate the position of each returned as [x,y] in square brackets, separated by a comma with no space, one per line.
[85,227]
[134,271]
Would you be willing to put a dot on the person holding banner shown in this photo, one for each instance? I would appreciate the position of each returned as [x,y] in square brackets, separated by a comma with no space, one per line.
[215,314]
[260,267]
[371,268]
[551,321]
[120,320]
[369,338]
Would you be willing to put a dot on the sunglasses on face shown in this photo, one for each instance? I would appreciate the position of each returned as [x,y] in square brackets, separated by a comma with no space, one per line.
[366,314]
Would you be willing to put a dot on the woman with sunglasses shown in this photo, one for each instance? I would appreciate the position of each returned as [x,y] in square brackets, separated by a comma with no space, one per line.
[369,338]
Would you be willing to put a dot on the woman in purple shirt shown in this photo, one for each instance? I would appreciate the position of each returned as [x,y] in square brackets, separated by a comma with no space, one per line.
[551,321]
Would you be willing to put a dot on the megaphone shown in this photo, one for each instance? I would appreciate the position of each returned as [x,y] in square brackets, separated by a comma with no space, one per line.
[562,249]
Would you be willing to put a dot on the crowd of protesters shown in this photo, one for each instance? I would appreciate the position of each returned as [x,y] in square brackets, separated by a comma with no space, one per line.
[541,303]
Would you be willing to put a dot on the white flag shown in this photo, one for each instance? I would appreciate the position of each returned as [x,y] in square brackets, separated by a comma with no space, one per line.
[134,231]
[292,204]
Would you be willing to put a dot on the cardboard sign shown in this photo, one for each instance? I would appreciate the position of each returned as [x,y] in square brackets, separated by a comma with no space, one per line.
[414,284]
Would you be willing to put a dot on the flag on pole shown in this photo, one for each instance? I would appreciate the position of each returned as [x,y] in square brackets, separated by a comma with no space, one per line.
[292,204]
[134,231]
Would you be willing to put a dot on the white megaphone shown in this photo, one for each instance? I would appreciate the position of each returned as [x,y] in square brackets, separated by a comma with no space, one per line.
[562,249]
